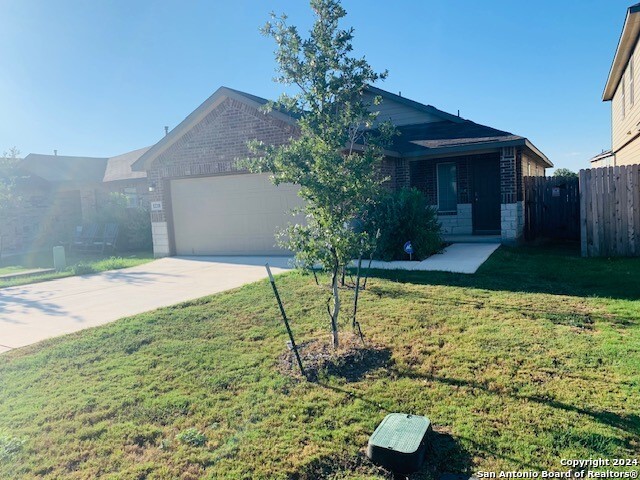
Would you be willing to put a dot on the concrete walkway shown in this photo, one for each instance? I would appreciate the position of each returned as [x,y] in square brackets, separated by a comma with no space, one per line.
[456,258]
[31,313]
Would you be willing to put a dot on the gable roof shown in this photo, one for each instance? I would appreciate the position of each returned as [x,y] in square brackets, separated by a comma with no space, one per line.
[626,45]
[450,135]
[197,115]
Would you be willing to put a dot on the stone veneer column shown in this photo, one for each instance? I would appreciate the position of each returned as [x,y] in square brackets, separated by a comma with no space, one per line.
[511,210]
[159,226]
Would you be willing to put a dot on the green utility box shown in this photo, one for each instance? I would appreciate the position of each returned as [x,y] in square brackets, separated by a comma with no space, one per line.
[399,443]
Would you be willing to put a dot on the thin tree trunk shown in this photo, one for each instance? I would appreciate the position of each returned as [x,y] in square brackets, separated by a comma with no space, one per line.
[336,302]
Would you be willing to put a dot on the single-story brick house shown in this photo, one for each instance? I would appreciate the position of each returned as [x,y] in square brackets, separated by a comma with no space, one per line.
[203,204]
[60,192]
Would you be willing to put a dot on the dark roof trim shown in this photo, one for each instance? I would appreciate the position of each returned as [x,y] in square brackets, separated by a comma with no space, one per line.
[626,45]
[417,105]
[144,162]
[477,147]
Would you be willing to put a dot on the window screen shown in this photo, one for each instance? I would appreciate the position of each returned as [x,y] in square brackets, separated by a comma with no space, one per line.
[447,187]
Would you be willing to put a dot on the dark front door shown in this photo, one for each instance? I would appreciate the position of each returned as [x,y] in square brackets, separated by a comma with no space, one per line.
[486,195]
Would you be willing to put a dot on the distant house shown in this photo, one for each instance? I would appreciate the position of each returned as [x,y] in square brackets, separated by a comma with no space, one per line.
[622,91]
[59,192]
[604,159]
[204,204]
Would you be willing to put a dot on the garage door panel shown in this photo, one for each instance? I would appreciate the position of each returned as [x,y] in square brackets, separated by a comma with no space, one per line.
[230,215]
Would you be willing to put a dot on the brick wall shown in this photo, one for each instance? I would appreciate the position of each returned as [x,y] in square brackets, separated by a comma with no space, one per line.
[424,177]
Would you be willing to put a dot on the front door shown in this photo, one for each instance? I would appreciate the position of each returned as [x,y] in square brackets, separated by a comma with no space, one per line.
[486,195]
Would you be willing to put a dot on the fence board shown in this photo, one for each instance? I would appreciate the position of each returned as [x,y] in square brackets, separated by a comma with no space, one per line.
[610,211]
[583,185]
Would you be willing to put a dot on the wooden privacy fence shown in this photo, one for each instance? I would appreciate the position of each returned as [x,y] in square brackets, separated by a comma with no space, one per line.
[610,211]
[552,208]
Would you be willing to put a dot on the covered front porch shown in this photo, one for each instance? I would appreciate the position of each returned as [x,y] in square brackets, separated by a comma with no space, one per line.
[478,196]
[471,174]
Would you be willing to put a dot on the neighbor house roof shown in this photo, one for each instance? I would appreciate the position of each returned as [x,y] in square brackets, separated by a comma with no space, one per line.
[119,167]
[601,156]
[62,168]
[626,44]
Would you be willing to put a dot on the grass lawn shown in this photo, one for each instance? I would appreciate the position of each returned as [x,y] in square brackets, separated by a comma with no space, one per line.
[533,359]
[77,265]
[12,269]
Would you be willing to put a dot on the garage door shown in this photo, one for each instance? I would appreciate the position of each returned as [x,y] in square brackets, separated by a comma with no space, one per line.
[230,214]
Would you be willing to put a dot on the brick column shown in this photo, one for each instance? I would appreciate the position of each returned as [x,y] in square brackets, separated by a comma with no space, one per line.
[511,209]
[403,175]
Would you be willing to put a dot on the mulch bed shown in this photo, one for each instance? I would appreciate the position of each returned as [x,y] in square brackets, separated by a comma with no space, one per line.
[351,361]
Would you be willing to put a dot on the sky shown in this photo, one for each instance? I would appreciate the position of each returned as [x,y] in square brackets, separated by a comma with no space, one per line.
[100,78]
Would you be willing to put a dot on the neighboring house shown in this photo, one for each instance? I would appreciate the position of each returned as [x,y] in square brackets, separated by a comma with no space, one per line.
[202,203]
[59,192]
[604,159]
[622,91]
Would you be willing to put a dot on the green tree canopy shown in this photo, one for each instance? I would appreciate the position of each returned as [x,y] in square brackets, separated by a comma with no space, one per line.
[564,172]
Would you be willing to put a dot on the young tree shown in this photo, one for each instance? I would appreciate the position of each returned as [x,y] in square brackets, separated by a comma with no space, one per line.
[334,158]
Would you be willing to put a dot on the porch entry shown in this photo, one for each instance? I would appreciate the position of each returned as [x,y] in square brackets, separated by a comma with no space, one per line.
[485,195]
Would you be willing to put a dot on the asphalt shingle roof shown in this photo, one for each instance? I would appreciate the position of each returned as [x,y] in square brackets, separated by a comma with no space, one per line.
[61,168]
[425,136]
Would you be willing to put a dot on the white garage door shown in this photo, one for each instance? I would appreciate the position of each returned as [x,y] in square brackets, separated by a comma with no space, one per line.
[230,214]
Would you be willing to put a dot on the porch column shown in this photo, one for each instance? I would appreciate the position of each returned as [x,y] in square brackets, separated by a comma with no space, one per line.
[159,201]
[511,208]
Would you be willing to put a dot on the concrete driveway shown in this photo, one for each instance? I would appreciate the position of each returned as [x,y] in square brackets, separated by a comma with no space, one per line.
[31,313]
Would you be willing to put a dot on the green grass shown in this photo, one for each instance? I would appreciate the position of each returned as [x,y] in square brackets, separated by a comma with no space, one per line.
[12,269]
[533,359]
[77,265]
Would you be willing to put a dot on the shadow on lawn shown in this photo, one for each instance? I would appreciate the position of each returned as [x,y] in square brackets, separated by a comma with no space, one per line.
[628,423]
[555,270]
[445,456]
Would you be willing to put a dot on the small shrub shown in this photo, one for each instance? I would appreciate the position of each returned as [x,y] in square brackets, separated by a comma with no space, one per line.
[192,436]
[402,216]
[134,223]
